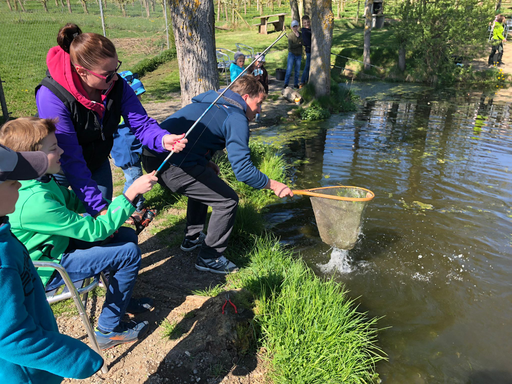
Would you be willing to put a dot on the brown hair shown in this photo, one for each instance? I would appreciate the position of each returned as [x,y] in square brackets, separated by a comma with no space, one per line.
[305,17]
[248,85]
[26,133]
[85,49]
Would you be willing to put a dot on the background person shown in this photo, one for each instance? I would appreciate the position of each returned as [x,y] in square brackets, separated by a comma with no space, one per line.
[49,223]
[31,348]
[82,89]
[497,42]
[306,41]
[237,67]
[294,55]
[193,174]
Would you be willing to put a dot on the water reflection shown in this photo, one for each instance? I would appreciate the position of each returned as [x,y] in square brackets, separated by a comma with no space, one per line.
[434,255]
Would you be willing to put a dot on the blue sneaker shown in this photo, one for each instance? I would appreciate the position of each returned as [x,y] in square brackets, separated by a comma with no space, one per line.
[125,333]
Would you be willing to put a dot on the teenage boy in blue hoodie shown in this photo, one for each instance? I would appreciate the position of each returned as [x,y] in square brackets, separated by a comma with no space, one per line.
[193,174]
[31,348]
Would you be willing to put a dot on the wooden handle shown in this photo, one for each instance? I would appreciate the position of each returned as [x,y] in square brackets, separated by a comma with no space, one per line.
[310,192]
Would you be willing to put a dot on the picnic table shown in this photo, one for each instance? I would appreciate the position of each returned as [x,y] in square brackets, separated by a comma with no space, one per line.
[278,24]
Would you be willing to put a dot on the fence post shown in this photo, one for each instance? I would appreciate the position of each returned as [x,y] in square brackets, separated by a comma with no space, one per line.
[5,112]
[166,23]
[102,18]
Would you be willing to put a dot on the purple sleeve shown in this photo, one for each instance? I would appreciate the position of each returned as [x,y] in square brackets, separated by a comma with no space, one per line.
[72,160]
[144,127]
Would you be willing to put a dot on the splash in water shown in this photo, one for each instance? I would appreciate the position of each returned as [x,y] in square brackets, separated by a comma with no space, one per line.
[339,262]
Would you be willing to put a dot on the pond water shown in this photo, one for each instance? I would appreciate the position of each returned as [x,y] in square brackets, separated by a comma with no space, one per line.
[434,256]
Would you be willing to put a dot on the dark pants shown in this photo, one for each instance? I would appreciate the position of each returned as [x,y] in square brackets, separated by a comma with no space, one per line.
[496,54]
[203,188]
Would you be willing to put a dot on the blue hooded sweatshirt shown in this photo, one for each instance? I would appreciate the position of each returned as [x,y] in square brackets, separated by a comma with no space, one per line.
[32,351]
[224,126]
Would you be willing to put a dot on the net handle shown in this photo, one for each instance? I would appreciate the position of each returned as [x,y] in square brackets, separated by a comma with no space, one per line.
[309,192]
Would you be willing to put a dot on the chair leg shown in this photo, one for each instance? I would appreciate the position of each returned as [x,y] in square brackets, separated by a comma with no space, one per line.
[85,320]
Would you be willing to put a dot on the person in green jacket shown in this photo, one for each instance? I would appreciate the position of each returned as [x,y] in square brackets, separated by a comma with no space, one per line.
[48,221]
[497,42]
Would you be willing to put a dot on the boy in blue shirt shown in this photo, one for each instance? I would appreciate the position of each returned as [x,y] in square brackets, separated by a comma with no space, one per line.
[31,348]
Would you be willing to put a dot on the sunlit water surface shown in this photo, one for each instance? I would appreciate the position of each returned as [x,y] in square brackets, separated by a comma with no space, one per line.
[434,256]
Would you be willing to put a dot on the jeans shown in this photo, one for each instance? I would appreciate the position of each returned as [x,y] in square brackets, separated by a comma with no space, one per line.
[121,257]
[203,188]
[131,174]
[305,73]
[293,61]
[102,176]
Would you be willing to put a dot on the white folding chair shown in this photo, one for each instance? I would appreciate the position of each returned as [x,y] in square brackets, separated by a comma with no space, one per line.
[246,50]
[79,296]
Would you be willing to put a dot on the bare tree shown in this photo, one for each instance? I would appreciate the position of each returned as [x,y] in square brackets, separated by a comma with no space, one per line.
[367,33]
[295,10]
[9,5]
[68,2]
[194,34]
[21,5]
[322,21]
[84,6]
[45,5]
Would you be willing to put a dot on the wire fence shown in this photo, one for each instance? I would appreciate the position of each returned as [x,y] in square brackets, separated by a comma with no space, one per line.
[28,29]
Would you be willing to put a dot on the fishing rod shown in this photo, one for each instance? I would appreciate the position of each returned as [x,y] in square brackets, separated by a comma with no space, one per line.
[218,97]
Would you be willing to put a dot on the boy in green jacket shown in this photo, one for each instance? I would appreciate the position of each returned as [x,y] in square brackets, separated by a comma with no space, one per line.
[31,348]
[47,221]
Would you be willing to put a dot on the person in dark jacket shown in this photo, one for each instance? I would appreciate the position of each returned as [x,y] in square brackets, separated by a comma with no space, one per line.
[82,89]
[306,41]
[31,348]
[193,174]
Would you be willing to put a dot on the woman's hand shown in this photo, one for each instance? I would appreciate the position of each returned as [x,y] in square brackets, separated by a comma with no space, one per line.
[140,186]
[175,143]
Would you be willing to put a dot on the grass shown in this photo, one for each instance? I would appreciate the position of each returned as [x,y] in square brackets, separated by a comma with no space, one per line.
[171,330]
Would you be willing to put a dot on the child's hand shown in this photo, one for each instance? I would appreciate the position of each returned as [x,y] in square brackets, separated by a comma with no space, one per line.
[140,186]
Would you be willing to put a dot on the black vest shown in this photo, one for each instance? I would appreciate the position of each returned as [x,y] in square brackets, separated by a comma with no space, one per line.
[95,137]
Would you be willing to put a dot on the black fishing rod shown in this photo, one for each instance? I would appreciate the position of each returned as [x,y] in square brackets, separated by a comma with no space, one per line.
[217,99]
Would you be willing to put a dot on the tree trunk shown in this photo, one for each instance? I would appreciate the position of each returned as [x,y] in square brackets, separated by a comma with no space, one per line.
[193,24]
[367,33]
[104,5]
[357,13]
[146,5]
[57,3]
[84,6]
[307,7]
[153,5]
[9,5]
[401,58]
[342,4]
[21,6]
[322,20]
[45,6]
[218,10]
[123,9]
[68,2]
[295,10]
[226,11]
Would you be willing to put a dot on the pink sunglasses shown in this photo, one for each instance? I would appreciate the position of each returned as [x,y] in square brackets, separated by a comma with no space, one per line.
[107,78]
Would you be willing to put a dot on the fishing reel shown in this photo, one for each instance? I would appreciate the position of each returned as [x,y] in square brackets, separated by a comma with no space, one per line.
[144,221]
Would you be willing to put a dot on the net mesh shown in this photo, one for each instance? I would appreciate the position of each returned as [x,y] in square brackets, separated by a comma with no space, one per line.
[338,213]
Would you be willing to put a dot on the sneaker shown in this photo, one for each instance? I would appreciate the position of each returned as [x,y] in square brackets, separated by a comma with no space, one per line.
[126,333]
[188,244]
[137,306]
[296,86]
[220,265]
[286,85]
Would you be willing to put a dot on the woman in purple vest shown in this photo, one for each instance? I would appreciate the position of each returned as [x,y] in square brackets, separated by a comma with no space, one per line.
[82,89]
